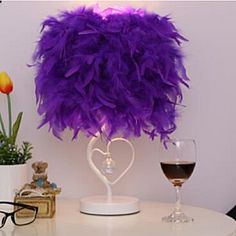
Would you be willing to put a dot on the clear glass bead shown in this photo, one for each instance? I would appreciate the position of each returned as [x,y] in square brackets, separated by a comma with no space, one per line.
[108,166]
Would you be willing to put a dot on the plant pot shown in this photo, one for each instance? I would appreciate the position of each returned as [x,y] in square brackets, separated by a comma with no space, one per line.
[12,178]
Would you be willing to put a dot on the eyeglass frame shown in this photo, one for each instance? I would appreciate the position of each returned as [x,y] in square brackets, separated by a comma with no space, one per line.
[12,214]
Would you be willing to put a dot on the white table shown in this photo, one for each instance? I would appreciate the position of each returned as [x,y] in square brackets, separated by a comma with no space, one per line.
[70,222]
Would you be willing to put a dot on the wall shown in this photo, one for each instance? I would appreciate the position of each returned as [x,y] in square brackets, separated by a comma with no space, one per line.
[209,116]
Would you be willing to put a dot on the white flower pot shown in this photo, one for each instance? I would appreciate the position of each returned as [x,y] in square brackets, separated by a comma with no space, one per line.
[12,178]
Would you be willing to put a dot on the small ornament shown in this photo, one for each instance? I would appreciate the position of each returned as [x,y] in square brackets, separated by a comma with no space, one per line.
[40,180]
[108,166]
[40,192]
[53,186]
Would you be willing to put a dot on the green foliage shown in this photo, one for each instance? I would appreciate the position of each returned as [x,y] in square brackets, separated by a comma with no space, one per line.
[11,154]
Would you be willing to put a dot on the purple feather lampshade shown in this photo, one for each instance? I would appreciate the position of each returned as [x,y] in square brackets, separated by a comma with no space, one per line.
[118,69]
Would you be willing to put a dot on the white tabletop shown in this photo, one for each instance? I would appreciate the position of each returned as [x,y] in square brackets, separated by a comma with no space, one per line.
[68,221]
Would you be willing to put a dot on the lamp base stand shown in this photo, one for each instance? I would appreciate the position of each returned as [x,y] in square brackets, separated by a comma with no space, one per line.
[118,205]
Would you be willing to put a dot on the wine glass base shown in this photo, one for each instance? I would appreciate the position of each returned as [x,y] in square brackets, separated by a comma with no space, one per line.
[177,217]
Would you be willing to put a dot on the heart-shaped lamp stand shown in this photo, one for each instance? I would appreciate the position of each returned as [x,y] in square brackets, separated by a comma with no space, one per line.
[108,204]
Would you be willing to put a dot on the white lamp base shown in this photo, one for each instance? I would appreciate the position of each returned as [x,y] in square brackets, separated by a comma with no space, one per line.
[119,205]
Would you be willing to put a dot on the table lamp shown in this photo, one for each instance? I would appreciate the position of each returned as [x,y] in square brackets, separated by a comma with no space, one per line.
[108,73]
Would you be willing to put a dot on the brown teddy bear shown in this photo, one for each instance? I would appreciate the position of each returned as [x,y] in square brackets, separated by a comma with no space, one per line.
[40,175]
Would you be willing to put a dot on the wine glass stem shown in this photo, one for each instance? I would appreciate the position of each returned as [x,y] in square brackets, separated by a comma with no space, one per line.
[178,199]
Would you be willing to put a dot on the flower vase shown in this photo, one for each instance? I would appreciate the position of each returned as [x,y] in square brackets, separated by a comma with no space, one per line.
[12,178]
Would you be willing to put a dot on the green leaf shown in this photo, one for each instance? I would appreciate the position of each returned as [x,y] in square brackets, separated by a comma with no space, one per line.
[16,127]
[2,126]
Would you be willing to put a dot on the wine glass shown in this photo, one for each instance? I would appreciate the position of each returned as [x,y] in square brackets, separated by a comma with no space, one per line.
[177,163]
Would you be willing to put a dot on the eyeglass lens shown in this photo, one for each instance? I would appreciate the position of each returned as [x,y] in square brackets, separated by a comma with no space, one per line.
[20,215]
[24,216]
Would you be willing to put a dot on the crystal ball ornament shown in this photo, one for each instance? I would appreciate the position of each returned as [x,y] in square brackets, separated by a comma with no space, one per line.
[108,166]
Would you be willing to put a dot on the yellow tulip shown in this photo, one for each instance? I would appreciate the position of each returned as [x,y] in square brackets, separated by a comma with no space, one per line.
[6,85]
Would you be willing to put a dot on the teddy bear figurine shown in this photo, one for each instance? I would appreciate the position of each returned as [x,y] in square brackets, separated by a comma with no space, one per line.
[40,192]
[40,175]
[40,183]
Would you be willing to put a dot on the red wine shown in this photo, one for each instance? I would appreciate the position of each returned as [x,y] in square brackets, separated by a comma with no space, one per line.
[177,171]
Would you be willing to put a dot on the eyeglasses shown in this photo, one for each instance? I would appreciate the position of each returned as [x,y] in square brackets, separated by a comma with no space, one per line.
[22,214]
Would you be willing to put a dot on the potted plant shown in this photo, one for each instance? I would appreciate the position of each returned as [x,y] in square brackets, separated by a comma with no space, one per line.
[13,169]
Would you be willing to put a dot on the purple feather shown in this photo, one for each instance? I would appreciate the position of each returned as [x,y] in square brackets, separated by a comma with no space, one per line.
[118,69]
